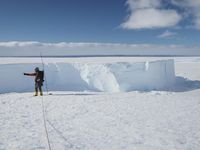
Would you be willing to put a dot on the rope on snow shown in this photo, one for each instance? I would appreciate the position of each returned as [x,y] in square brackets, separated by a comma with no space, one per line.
[45,124]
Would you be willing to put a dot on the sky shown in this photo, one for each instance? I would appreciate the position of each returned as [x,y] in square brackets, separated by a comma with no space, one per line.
[157,22]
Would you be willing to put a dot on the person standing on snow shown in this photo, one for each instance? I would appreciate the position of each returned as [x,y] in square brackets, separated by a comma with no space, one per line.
[39,79]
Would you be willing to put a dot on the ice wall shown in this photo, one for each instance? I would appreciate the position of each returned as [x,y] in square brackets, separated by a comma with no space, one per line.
[114,77]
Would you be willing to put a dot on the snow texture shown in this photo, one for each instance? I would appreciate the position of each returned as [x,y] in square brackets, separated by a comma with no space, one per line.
[99,121]
[108,77]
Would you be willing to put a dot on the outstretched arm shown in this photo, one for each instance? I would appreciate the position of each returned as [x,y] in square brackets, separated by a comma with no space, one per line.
[30,74]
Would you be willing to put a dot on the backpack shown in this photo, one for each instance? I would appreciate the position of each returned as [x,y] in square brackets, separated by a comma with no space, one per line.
[41,75]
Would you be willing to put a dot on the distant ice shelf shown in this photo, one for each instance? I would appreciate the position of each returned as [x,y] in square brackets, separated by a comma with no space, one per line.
[108,77]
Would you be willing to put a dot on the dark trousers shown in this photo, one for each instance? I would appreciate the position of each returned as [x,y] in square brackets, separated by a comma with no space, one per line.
[38,85]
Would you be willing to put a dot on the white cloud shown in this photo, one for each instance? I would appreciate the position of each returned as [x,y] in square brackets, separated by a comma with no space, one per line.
[191,7]
[151,18]
[167,34]
[20,44]
[144,14]
[139,4]
[92,49]
[150,14]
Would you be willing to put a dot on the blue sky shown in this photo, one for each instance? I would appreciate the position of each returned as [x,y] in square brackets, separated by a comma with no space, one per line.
[101,21]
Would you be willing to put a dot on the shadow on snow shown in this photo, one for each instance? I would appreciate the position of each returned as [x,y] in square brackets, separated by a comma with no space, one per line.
[183,85]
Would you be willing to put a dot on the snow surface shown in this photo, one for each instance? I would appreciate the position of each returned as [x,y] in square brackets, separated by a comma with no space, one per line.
[83,120]
[111,77]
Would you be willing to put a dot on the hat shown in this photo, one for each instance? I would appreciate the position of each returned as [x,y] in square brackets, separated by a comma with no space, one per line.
[36,69]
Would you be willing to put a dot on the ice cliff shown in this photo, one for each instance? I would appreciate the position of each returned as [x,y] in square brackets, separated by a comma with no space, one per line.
[108,77]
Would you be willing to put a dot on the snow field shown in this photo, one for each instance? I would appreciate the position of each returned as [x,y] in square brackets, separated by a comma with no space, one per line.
[88,121]
[21,126]
[108,77]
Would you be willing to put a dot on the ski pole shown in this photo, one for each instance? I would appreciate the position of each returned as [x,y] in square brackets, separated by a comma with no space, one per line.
[45,79]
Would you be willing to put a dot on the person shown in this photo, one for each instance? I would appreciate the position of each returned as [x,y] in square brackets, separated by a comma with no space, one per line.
[38,80]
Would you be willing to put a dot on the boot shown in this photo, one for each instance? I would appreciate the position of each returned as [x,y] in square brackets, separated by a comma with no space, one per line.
[36,94]
[40,89]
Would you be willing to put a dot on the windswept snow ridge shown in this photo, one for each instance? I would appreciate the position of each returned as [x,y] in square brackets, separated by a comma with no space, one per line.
[109,77]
